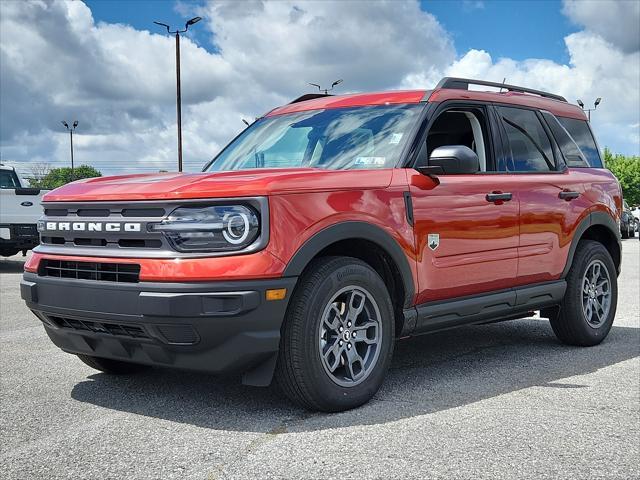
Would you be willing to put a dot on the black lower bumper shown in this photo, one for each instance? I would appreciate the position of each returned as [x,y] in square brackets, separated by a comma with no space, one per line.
[217,327]
[21,237]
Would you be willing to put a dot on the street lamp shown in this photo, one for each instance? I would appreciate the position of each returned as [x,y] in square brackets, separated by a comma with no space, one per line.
[71,130]
[193,21]
[589,110]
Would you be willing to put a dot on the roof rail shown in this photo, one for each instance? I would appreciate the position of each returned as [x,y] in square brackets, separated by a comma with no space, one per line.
[463,84]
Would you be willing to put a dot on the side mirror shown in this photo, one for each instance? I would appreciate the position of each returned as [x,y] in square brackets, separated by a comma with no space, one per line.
[455,160]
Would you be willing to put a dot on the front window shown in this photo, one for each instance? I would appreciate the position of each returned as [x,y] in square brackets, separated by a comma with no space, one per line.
[335,139]
[8,179]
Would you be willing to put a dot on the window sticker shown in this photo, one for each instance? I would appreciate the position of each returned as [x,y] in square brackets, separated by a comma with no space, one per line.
[395,138]
[369,161]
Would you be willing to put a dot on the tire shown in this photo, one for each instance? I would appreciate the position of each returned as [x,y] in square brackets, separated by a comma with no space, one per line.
[115,367]
[624,233]
[330,292]
[572,324]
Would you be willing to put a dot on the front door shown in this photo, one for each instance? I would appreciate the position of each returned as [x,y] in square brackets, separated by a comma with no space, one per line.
[466,227]
[466,242]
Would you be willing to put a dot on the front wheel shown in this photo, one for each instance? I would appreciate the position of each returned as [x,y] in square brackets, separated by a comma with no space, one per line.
[589,305]
[337,340]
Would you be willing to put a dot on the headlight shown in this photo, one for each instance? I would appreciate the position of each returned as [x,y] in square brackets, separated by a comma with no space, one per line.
[216,228]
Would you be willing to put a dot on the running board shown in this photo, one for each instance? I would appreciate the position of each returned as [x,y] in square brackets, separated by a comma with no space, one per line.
[441,315]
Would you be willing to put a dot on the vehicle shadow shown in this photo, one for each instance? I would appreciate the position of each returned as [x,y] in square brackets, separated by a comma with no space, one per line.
[428,374]
[11,266]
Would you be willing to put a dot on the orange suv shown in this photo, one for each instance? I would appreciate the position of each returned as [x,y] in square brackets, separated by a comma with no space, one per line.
[331,227]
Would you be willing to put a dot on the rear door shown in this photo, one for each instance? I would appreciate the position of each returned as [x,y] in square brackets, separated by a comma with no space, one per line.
[551,197]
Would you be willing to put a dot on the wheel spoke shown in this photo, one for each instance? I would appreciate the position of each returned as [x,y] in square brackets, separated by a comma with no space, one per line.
[589,310]
[597,308]
[353,359]
[337,318]
[361,333]
[335,350]
[595,273]
[600,287]
[356,304]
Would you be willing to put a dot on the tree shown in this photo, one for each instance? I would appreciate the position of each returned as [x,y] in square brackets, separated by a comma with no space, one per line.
[627,171]
[39,170]
[61,176]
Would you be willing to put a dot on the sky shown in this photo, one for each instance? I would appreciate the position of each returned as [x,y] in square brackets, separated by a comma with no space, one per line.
[105,64]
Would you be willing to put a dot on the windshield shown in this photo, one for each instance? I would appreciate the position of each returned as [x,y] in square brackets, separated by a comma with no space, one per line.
[336,139]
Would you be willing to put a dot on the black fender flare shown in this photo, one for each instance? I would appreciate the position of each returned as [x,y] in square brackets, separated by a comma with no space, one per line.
[353,230]
[594,218]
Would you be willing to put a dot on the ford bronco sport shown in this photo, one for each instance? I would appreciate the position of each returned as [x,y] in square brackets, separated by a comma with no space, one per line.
[329,228]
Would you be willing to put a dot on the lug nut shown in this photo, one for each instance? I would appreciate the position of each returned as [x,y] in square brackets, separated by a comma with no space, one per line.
[348,324]
[341,343]
[353,334]
[341,329]
[349,345]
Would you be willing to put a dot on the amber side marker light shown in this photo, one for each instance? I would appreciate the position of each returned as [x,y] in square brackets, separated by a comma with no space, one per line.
[276,294]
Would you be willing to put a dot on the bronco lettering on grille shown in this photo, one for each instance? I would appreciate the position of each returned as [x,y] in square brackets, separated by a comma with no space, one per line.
[94,226]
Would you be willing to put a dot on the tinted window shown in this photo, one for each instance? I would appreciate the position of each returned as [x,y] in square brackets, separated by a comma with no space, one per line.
[529,144]
[570,151]
[8,179]
[581,133]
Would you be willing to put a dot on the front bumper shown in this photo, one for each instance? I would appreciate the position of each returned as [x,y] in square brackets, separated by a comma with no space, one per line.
[217,327]
[23,236]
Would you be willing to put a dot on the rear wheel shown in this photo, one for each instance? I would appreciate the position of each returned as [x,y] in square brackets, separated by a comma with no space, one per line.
[115,367]
[589,305]
[337,340]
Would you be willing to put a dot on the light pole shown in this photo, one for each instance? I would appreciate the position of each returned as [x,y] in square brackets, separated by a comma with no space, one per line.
[71,130]
[193,21]
[589,110]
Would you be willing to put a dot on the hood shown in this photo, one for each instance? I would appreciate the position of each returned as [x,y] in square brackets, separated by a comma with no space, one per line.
[245,183]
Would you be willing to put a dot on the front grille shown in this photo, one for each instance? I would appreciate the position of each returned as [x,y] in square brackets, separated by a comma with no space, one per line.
[107,328]
[86,226]
[105,272]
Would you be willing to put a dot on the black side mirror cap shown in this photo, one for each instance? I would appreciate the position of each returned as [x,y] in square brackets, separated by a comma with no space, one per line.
[455,160]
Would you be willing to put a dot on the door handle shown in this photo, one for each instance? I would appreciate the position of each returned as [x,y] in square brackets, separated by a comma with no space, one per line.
[568,195]
[496,197]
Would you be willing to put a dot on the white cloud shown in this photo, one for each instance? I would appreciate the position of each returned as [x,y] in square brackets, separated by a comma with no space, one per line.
[57,63]
[618,22]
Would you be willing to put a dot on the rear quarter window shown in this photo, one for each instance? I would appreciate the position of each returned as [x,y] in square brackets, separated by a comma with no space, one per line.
[581,133]
[571,153]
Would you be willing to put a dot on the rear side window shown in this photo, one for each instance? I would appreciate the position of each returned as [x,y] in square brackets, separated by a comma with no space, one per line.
[528,142]
[570,151]
[581,133]
[8,179]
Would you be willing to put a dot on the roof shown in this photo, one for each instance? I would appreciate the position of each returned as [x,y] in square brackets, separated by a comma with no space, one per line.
[447,89]
[352,100]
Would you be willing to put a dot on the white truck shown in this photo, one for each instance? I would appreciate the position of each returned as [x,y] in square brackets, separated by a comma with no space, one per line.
[20,210]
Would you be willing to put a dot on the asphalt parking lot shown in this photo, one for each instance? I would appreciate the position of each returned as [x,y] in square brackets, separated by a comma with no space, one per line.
[496,401]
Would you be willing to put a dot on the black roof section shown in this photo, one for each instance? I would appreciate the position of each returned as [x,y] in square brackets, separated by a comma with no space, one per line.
[463,84]
[310,96]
